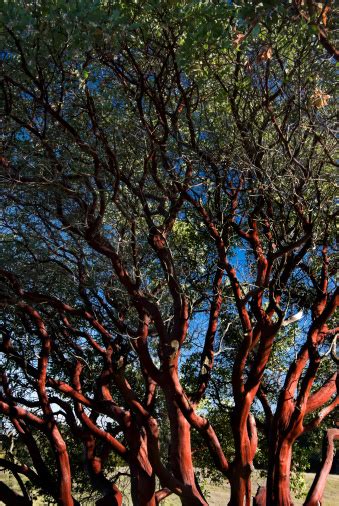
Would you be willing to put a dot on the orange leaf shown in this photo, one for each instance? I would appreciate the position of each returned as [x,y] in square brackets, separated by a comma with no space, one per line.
[238,39]
[265,54]
[324,15]
[319,98]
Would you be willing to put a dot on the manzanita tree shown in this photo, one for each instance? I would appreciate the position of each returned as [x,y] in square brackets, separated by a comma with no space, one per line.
[167,208]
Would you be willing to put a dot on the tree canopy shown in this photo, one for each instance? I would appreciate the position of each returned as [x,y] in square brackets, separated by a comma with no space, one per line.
[167,288]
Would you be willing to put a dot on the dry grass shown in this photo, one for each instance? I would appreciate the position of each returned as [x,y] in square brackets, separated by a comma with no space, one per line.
[219,495]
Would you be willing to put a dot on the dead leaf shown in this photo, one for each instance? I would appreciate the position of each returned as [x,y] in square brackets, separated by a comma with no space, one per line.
[323,11]
[324,15]
[180,107]
[248,66]
[319,98]
[238,39]
[265,54]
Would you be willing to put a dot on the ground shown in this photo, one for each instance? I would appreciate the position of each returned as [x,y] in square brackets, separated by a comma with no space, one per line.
[218,495]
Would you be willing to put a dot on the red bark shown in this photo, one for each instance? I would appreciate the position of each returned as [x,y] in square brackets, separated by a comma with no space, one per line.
[181,455]
[51,429]
[315,494]
[288,420]
[162,494]
[111,494]
[322,395]
[245,440]
[260,497]
[142,473]
[241,468]
[240,485]
[278,483]
[142,486]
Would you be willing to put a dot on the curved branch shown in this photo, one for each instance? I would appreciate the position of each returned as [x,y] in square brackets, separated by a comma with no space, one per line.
[322,395]
[10,497]
[315,494]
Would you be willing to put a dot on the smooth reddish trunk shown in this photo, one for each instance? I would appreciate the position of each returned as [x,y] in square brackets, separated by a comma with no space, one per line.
[65,484]
[181,455]
[245,441]
[142,474]
[315,495]
[240,482]
[66,498]
[278,479]
[111,494]
[162,494]
[114,498]
[142,487]
[260,497]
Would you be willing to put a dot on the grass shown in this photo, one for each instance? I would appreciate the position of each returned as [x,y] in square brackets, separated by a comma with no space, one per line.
[217,495]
